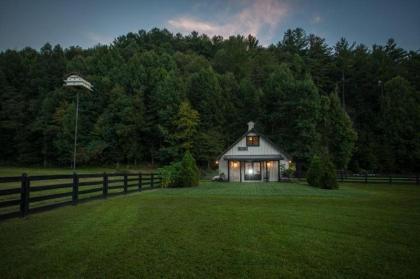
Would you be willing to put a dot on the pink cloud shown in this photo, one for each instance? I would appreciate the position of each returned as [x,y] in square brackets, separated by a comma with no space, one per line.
[259,18]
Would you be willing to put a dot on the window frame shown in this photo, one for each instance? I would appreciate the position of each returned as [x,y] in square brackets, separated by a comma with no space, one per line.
[252,140]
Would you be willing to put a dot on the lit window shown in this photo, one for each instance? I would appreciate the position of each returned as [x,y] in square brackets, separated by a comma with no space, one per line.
[252,141]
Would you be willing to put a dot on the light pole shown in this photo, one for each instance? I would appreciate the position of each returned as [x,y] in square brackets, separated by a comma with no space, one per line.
[76,81]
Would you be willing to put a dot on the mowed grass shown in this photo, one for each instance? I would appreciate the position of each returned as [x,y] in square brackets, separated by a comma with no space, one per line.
[223,230]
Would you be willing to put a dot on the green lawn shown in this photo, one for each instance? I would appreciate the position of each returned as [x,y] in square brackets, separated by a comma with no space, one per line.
[222,230]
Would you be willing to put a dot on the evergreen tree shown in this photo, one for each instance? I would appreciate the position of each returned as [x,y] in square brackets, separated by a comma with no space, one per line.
[189,174]
[185,126]
[204,93]
[141,79]
[400,113]
[336,130]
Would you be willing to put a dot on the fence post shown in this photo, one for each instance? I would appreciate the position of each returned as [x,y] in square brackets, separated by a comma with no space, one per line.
[366,177]
[75,196]
[24,195]
[417,180]
[105,185]
[390,179]
[125,183]
[342,176]
[140,181]
[151,181]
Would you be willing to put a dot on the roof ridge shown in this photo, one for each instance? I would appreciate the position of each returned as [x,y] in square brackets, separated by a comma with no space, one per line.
[284,154]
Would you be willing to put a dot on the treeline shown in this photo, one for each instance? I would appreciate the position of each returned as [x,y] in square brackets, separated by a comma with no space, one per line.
[158,94]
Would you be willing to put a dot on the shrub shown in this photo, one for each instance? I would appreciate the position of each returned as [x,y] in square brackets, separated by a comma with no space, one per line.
[328,178]
[189,174]
[290,171]
[322,173]
[169,174]
[313,176]
[181,174]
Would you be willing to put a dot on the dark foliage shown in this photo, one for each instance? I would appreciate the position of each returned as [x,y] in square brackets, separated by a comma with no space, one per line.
[148,83]
[184,173]
[322,173]
[189,174]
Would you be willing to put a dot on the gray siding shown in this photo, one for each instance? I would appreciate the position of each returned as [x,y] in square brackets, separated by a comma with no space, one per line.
[264,148]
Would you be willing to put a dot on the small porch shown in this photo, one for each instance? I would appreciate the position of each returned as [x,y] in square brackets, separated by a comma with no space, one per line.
[253,168]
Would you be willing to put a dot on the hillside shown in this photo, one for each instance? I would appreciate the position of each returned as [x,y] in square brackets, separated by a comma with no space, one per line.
[361,104]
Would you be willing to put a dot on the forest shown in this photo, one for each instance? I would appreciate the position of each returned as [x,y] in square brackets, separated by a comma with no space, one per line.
[157,94]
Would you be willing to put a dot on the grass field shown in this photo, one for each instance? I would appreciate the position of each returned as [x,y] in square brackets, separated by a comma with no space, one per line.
[222,230]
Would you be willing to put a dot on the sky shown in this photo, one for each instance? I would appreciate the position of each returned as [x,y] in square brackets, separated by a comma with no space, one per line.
[87,23]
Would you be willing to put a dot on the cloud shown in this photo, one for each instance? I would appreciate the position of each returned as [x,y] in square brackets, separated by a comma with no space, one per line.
[316,19]
[259,18]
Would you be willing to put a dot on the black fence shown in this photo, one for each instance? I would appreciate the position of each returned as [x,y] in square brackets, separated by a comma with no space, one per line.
[22,195]
[378,178]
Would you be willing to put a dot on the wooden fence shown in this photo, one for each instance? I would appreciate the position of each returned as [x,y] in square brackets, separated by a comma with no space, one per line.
[388,179]
[22,195]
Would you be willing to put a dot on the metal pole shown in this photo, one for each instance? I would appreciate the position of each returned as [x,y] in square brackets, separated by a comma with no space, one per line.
[75,131]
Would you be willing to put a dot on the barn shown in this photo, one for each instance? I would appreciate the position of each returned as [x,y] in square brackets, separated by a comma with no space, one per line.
[253,157]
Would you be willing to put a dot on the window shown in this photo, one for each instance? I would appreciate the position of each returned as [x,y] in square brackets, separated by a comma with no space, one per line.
[252,141]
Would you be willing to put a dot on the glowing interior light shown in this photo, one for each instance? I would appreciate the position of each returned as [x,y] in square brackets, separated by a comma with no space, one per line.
[269,165]
[217,162]
[250,171]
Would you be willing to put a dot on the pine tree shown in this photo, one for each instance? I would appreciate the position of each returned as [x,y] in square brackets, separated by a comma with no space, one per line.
[337,133]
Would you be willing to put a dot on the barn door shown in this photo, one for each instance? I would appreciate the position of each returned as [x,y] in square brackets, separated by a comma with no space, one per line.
[252,171]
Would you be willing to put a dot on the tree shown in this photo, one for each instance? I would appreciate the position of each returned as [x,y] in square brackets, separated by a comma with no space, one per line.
[204,94]
[400,111]
[291,111]
[189,174]
[118,129]
[250,98]
[209,146]
[322,173]
[185,128]
[141,79]
[320,62]
[337,133]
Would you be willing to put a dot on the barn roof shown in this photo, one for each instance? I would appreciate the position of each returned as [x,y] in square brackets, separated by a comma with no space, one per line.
[253,130]
[253,157]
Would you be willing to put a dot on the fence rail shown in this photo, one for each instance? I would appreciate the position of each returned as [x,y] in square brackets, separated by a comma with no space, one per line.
[22,195]
[389,179]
